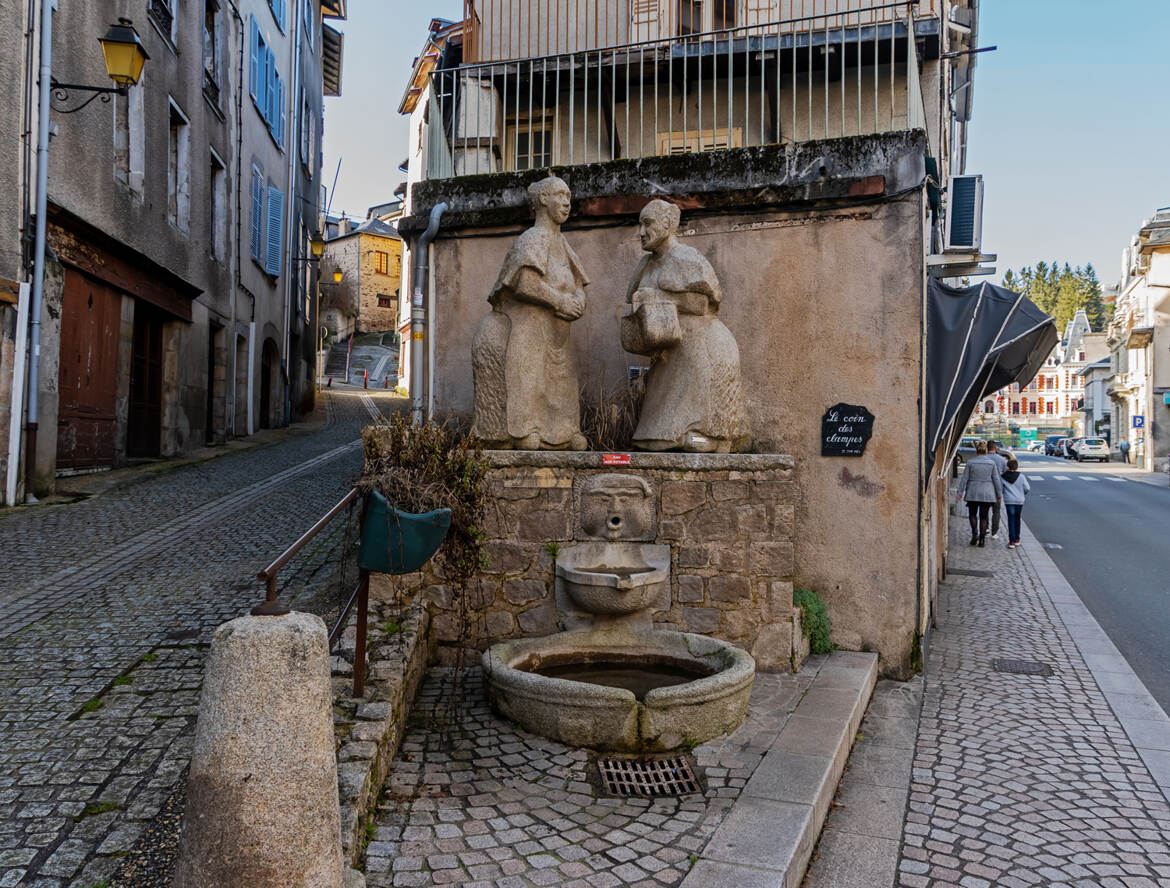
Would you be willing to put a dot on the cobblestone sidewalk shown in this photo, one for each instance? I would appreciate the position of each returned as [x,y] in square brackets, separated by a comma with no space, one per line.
[106,609]
[1022,780]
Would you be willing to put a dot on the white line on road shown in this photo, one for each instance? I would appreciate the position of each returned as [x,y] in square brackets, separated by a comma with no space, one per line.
[1087,478]
[1060,477]
[1036,477]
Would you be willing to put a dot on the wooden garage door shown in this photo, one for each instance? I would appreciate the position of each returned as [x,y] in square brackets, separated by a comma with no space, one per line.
[90,321]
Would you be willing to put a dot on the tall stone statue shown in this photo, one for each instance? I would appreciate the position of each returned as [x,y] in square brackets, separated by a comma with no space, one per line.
[694,392]
[526,394]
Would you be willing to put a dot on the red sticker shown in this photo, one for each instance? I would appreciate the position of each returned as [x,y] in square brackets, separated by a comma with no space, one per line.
[615,459]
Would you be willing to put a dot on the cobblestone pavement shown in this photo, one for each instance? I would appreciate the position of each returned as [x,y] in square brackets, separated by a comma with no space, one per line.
[473,801]
[106,609]
[1022,780]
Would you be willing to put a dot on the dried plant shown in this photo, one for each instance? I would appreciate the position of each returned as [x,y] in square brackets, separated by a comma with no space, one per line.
[610,416]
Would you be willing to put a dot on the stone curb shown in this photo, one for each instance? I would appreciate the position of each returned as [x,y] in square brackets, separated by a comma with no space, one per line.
[1144,721]
[369,731]
[769,834]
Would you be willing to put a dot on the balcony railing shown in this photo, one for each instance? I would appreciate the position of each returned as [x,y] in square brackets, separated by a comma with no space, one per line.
[827,75]
[508,30]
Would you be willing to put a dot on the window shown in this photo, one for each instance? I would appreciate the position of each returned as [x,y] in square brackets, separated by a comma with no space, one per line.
[1015,408]
[179,171]
[274,241]
[211,61]
[306,129]
[1080,356]
[218,206]
[383,262]
[162,12]
[699,16]
[989,406]
[130,138]
[257,215]
[699,140]
[1050,407]
[385,302]
[530,142]
[266,87]
[279,9]
[309,14]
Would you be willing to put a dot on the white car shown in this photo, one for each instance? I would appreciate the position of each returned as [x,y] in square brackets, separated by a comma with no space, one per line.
[1092,448]
[1036,447]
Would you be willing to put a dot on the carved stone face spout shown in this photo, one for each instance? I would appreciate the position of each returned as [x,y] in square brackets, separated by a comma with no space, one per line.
[616,507]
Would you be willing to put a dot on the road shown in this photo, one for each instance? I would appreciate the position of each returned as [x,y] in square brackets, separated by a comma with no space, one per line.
[107,606]
[1107,527]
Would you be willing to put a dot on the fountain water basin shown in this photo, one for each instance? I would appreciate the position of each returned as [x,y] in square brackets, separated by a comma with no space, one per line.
[610,578]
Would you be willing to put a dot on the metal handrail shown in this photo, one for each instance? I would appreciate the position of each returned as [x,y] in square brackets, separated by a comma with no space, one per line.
[271,606]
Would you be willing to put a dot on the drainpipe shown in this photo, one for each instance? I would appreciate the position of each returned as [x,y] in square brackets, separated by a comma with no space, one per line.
[38,288]
[418,314]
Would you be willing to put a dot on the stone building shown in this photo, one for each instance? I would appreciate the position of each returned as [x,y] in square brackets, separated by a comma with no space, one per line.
[366,299]
[799,153]
[1054,399]
[176,293]
[1139,336]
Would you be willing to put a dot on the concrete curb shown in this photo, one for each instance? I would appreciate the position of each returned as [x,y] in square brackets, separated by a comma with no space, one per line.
[769,834]
[1144,721]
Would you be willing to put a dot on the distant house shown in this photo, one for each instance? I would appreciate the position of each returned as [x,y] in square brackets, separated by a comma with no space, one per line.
[366,298]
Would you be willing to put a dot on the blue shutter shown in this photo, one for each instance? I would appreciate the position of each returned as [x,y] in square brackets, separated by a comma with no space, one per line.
[256,86]
[281,112]
[257,215]
[270,105]
[275,230]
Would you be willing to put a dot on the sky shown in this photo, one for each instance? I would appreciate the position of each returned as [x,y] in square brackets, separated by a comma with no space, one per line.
[1071,126]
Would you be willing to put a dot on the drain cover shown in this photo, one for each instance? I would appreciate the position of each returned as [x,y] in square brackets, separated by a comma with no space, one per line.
[1021,667]
[648,777]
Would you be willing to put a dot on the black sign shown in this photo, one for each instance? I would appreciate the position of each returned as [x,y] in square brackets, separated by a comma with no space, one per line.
[845,429]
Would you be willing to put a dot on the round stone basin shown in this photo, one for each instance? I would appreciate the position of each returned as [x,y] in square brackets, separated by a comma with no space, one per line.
[613,578]
[621,690]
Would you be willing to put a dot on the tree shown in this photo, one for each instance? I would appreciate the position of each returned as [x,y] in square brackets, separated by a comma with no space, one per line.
[1061,291]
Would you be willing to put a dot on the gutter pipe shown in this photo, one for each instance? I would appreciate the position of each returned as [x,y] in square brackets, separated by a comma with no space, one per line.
[418,313]
[38,283]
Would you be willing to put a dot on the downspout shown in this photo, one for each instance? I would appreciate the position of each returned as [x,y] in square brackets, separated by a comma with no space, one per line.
[418,313]
[38,288]
[234,253]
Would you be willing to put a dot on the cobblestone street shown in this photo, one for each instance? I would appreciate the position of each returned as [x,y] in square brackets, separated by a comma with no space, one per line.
[1022,780]
[106,609]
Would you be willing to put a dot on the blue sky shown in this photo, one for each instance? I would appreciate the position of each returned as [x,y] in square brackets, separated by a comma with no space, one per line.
[1071,128]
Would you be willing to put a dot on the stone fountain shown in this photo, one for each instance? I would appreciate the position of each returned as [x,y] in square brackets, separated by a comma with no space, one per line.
[611,681]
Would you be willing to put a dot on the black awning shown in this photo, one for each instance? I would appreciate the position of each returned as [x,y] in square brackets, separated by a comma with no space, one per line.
[978,340]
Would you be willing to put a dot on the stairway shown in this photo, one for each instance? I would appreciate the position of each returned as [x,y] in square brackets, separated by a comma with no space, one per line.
[335,363]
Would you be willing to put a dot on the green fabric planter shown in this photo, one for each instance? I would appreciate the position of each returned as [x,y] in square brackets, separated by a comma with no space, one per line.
[397,542]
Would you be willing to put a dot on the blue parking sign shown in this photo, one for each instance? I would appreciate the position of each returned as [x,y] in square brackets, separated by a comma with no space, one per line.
[1139,422]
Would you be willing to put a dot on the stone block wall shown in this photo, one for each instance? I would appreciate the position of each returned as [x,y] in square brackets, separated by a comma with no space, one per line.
[729,520]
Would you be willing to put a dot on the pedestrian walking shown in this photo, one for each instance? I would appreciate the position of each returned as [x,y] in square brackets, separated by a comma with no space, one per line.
[1001,466]
[1124,448]
[1015,490]
[982,487]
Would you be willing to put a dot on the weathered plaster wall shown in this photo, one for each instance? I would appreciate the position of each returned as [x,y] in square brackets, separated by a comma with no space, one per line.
[826,305]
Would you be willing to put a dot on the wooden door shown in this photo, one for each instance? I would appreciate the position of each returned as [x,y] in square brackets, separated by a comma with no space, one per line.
[144,434]
[88,373]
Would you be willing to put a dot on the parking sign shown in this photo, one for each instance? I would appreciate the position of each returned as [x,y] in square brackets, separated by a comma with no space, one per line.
[1139,422]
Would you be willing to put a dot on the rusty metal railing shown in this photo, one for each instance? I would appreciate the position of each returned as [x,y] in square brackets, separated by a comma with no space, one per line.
[272,606]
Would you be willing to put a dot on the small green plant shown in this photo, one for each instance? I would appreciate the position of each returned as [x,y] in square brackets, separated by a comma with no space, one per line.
[553,549]
[92,706]
[149,658]
[916,654]
[814,620]
[121,680]
[94,808]
[390,627]
[104,883]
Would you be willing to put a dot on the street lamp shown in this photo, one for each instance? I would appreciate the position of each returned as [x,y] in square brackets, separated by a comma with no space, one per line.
[125,57]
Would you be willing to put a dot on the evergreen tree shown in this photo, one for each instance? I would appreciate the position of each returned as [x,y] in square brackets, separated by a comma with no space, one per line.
[1061,291]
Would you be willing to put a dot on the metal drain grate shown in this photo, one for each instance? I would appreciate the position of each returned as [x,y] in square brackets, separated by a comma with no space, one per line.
[1021,667]
[648,777]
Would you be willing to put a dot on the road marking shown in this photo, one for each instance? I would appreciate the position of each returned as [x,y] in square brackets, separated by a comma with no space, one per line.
[1036,477]
[371,407]
[1087,478]
[1061,477]
[1115,478]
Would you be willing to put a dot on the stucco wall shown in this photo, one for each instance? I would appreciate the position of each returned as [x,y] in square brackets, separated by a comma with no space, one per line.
[826,306]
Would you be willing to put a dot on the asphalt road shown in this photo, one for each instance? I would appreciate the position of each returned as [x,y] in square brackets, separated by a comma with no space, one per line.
[1109,533]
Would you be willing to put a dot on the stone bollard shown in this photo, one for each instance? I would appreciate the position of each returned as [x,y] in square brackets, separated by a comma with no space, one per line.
[262,803]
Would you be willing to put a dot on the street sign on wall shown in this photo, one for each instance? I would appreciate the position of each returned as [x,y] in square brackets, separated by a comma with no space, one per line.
[1027,435]
[1139,422]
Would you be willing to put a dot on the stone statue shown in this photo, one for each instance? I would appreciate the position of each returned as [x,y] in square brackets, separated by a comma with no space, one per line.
[526,394]
[694,392]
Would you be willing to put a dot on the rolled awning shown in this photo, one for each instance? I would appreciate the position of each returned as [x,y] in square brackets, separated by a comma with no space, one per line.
[978,340]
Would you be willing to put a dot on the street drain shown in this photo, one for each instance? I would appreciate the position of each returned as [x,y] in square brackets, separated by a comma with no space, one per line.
[648,777]
[1021,667]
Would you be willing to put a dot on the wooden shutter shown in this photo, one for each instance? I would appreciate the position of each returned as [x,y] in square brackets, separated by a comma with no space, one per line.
[275,230]
[257,215]
[256,86]
[644,19]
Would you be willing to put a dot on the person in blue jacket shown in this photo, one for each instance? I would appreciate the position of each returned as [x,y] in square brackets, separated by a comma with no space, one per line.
[1015,489]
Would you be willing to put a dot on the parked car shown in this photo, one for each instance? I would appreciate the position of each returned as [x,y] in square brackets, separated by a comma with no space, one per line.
[1093,448]
[966,448]
[1067,447]
[1036,447]
[1050,444]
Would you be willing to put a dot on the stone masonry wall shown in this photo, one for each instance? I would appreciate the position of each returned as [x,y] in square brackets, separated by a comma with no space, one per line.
[729,520]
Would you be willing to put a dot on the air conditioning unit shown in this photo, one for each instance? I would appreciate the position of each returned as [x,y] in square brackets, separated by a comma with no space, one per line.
[965,213]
